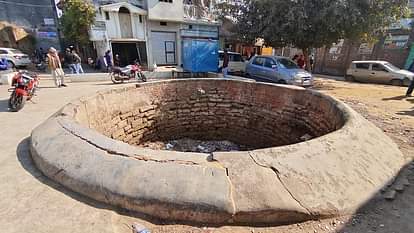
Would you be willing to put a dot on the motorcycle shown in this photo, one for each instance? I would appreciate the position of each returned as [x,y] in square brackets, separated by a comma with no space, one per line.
[120,75]
[24,86]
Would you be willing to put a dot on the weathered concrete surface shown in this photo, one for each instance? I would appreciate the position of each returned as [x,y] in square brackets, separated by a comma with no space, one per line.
[327,176]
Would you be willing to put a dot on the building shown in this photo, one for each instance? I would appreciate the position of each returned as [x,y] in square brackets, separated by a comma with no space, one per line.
[151,31]
[37,17]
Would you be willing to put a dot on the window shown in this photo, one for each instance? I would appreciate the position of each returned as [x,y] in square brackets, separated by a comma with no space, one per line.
[378,67]
[140,18]
[287,64]
[106,15]
[364,66]
[259,61]
[236,58]
[163,23]
[269,63]
[3,51]
[170,1]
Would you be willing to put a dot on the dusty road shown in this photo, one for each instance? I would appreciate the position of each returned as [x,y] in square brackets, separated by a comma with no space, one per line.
[29,202]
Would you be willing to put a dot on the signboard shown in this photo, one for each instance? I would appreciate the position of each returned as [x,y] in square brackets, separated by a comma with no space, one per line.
[396,41]
[402,24]
[366,48]
[49,21]
[46,34]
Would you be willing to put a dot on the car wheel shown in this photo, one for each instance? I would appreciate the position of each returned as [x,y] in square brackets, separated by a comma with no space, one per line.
[349,78]
[396,82]
[406,82]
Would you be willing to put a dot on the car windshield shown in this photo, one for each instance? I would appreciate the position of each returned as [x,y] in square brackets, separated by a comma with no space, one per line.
[391,67]
[287,64]
[15,51]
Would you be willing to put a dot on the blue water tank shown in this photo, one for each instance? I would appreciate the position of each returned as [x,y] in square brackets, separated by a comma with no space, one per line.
[200,55]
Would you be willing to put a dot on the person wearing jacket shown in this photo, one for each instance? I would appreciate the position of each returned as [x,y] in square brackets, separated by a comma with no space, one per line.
[55,67]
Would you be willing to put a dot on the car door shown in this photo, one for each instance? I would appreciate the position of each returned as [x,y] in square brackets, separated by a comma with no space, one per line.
[361,72]
[256,68]
[270,70]
[238,64]
[379,74]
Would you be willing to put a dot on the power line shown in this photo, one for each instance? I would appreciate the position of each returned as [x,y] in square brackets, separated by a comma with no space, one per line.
[25,4]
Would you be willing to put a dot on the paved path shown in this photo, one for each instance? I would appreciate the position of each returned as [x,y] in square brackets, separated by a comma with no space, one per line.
[28,201]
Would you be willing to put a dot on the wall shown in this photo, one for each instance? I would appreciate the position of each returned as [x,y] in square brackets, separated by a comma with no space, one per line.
[163,11]
[247,113]
[171,27]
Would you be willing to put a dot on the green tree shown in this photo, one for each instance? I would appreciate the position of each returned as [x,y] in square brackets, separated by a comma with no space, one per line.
[307,24]
[78,16]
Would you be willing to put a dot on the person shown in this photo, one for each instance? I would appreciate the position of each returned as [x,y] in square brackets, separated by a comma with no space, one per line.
[225,68]
[78,62]
[69,59]
[117,60]
[55,67]
[295,58]
[301,62]
[311,62]
[108,60]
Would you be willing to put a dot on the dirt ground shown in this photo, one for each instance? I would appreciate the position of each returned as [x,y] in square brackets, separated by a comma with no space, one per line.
[29,202]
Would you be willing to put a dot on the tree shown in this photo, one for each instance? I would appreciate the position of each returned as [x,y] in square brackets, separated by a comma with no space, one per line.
[307,24]
[78,16]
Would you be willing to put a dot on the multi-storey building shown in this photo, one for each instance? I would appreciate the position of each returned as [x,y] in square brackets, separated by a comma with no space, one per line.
[151,31]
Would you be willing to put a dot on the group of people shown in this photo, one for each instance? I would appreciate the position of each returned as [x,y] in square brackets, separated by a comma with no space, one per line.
[73,60]
[301,62]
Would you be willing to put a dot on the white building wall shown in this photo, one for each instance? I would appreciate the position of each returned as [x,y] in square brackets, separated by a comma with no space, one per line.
[138,28]
[171,27]
[165,11]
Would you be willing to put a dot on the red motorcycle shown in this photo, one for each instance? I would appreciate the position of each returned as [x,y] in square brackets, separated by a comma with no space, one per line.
[119,75]
[24,88]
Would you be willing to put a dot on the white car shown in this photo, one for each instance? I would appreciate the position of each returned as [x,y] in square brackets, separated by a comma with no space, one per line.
[236,62]
[14,57]
[378,72]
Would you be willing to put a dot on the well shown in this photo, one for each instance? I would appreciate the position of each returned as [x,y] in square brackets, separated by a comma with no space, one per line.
[310,156]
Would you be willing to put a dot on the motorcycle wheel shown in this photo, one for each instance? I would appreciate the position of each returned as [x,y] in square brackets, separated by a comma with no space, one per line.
[16,103]
[143,78]
[116,79]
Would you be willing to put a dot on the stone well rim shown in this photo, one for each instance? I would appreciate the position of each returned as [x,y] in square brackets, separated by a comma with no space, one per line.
[298,179]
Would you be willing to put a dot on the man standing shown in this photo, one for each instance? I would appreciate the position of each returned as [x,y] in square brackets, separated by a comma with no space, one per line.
[78,62]
[55,67]
[225,67]
[70,61]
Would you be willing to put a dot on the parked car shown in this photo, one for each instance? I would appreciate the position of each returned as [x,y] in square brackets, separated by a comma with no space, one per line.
[14,57]
[276,69]
[378,72]
[236,62]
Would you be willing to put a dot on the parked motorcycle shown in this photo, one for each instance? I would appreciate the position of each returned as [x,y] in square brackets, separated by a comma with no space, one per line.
[120,75]
[24,88]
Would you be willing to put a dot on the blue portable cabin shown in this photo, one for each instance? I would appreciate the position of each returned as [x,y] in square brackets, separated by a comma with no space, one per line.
[200,49]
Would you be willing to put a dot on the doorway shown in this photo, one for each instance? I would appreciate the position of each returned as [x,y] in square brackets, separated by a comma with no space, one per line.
[129,52]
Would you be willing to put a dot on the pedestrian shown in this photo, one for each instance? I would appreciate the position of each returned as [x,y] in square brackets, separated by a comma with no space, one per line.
[108,60]
[117,61]
[78,62]
[55,67]
[69,61]
[301,62]
[295,58]
[311,62]
[225,67]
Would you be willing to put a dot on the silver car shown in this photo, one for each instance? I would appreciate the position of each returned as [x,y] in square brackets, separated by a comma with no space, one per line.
[378,72]
[276,69]
[14,57]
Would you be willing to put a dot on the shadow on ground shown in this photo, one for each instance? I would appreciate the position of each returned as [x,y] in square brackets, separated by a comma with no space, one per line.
[4,105]
[400,97]
[386,216]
